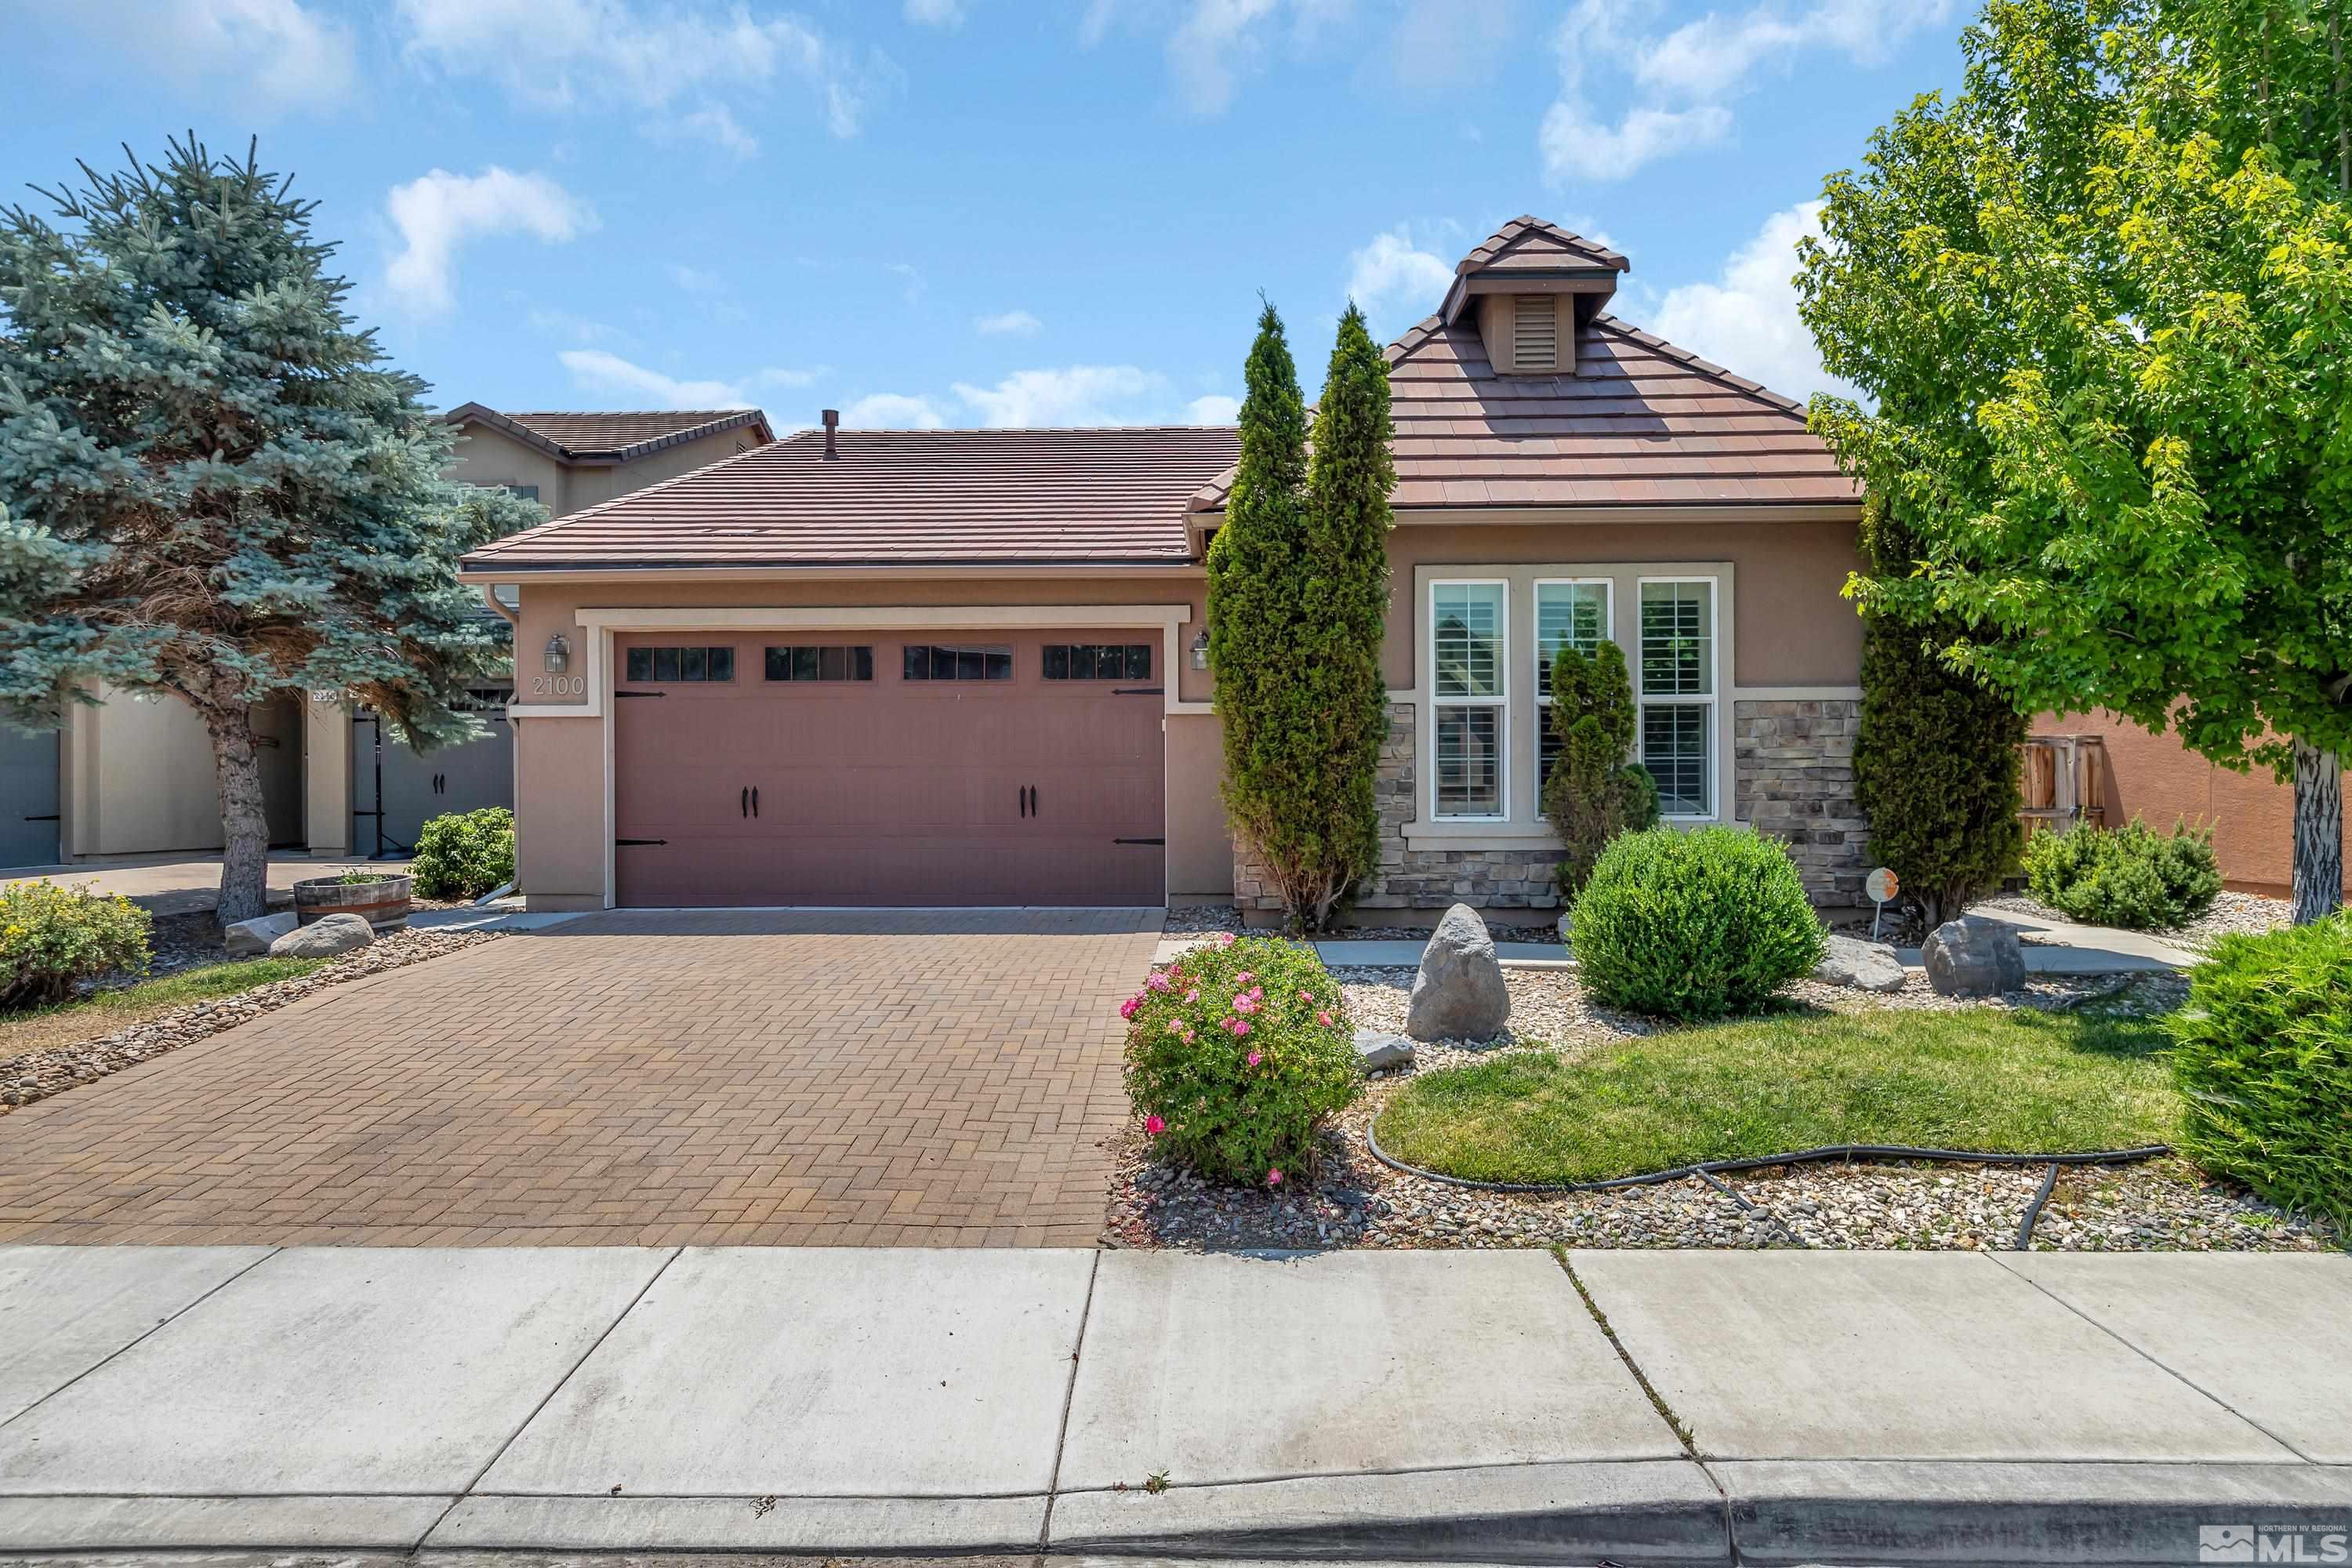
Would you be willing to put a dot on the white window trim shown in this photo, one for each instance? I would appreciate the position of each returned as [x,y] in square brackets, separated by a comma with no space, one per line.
[1500,701]
[1643,701]
[1608,587]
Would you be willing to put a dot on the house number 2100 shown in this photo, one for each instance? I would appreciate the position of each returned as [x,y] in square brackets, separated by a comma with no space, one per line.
[559,685]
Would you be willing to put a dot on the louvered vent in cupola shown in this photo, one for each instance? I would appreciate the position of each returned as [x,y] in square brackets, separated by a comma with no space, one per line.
[1535,332]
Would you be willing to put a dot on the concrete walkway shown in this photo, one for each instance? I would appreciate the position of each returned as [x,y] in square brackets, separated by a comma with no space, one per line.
[1467,1406]
[183,884]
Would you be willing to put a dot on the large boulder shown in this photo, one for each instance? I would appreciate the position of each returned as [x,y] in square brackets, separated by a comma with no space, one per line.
[326,937]
[1377,1052]
[1973,956]
[251,939]
[1863,965]
[1459,994]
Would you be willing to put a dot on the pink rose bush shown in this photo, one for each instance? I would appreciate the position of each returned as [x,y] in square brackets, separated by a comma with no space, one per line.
[1236,1054]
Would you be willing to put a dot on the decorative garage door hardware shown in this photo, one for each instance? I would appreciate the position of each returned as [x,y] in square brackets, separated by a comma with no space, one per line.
[749,804]
[1138,691]
[1139,841]
[625,842]
[641,694]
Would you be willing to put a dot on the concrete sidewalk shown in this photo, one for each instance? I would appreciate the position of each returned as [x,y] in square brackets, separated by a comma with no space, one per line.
[1467,1406]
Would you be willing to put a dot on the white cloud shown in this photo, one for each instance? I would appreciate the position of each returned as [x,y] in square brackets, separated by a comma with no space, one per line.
[1214,409]
[1394,282]
[594,370]
[1746,320]
[439,211]
[935,13]
[1075,395]
[1009,323]
[695,280]
[1681,84]
[1217,40]
[277,54]
[892,411]
[562,54]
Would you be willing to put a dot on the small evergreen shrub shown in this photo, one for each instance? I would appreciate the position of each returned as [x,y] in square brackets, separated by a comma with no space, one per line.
[1592,794]
[463,855]
[2130,875]
[1234,1056]
[1692,925]
[2262,1054]
[51,937]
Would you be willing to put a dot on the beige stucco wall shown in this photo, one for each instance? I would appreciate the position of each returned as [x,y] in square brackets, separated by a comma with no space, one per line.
[560,814]
[1199,844]
[140,779]
[489,457]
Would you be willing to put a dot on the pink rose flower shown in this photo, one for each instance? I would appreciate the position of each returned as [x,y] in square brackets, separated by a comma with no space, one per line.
[1193,994]
[1242,978]
[1274,1177]
[1153,1125]
[1160,982]
[1175,1025]
[1241,1027]
[1255,1057]
[1307,996]
[1127,1008]
[1324,1019]
[1227,938]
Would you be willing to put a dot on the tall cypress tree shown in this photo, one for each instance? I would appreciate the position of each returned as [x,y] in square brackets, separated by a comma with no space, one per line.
[1297,606]
[221,491]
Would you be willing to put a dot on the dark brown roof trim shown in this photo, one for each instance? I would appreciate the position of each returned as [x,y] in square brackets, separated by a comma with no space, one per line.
[482,414]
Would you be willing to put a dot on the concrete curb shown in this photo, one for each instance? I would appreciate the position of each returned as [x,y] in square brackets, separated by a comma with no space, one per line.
[1647,1511]
[1804,1511]
[79,1523]
[915,1526]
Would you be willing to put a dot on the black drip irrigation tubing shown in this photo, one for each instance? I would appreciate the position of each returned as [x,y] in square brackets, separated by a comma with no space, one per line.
[2034,1209]
[1764,1162]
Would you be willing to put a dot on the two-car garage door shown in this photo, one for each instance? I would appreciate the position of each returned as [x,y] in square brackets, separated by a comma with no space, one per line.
[862,768]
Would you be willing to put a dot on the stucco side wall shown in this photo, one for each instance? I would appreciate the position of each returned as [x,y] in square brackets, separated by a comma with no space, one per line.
[560,815]
[487,456]
[1790,627]
[1200,844]
[2156,777]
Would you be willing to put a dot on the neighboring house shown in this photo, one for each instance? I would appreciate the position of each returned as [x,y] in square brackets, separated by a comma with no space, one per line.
[967,666]
[2157,778]
[134,775]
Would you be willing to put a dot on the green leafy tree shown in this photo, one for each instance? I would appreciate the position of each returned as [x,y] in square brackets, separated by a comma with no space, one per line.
[1298,601]
[221,491]
[1935,755]
[1592,794]
[2103,302]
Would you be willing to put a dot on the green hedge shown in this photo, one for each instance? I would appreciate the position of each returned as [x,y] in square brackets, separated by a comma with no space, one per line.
[51,937]
[1236,1053]
[2262,1054]
[1692,924]
[2131,876]
[464,855]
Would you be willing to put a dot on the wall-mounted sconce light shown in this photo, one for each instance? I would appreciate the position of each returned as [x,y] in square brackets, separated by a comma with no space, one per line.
[1201,649]
[559,654]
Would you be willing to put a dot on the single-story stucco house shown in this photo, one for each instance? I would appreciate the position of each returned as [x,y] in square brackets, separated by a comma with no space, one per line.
[943,667]
[133,775]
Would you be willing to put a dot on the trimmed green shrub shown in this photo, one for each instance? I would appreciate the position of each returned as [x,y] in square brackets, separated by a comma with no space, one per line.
[2262,1054]
[1694,924]
[51,937]
[463,855]
[1592,794]
[2131,876]
[1234,1056]
[1936,758]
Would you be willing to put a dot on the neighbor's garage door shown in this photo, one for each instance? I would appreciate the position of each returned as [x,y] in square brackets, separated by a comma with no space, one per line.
[927,769]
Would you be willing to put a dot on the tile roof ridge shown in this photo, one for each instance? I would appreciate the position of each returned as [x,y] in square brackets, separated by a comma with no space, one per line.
[1755,389]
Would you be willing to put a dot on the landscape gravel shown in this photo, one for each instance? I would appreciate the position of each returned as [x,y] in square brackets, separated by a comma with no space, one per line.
[36,1075]
[1353,1200]
[2248,914]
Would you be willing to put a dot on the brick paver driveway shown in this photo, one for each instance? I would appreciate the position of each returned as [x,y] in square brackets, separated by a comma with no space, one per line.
[860,1079]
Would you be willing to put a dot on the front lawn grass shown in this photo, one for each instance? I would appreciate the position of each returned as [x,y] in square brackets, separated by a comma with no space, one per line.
[1985,1081]
[103,1012]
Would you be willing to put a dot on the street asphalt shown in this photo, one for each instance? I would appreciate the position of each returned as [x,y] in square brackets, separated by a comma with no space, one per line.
[1636,1408]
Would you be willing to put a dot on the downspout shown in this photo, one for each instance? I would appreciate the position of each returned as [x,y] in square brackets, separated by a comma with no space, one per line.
[514,764]
[490,597]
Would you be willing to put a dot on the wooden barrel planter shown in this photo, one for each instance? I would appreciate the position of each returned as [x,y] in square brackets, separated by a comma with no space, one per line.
[382,903]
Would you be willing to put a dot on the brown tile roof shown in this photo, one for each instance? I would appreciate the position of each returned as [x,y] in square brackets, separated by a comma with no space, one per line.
[611,438]
[900,498]
[1641,423]
[1529,244]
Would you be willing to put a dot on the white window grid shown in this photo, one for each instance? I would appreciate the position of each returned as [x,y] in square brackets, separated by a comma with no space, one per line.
[1645,700]
[1546,747]
[1498,700]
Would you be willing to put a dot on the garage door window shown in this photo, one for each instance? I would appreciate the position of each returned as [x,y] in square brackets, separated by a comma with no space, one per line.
[660,664]
[1098,661]
[959,661]
[806,663]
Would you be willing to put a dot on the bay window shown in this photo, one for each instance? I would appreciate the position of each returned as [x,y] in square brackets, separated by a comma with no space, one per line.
[1469,679]
[1676,688]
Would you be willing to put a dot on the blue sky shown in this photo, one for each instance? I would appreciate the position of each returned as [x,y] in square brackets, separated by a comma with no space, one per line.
[977,211]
